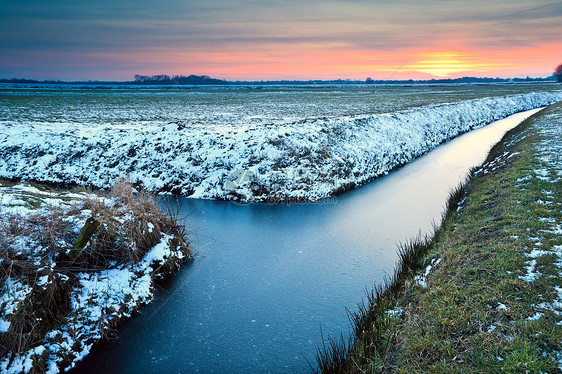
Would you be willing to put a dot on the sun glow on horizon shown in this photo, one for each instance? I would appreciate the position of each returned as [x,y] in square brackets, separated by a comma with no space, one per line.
[447,63]
[295,62]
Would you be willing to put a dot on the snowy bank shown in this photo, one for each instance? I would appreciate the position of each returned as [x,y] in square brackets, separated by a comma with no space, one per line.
[58,299]
[297,161]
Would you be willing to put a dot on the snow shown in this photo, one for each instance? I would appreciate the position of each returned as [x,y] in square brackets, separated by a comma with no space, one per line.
[550,152]
[14,291]
[4,325]
[395,313]
[159,253]
[43,280]
[555,305]
[308,159]
[501,306]
[536,253]
[531,273]
[422,279]
[22,363]
[535,317]
[108,289]
[98,298]
[549,235]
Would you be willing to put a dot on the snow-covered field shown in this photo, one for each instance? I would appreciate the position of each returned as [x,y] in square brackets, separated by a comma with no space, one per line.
[290,160]
[215,107]
[52,311]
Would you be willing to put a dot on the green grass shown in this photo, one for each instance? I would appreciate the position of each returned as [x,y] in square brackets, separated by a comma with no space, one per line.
[473,316]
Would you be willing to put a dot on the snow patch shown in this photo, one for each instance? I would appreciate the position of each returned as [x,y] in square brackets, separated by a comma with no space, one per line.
[531,275]
[422,279]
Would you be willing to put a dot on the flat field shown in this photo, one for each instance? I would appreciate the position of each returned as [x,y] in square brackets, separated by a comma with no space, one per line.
[238,106]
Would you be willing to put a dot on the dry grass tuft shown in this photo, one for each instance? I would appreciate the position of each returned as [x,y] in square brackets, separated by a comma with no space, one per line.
[120,239]
[40,312]
[36,250]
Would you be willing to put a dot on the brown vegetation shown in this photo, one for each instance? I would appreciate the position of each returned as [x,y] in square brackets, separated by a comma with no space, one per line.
[38,250]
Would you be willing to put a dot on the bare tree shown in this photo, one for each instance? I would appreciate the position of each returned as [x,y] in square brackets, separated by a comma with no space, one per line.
[558,73]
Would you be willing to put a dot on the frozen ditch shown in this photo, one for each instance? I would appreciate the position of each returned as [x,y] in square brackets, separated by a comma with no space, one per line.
[269,279]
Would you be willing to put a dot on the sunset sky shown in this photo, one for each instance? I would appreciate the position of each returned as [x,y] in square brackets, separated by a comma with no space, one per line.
[279,39]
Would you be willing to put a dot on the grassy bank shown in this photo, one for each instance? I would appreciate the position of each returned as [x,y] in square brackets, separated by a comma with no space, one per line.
[484,294]
[74,265]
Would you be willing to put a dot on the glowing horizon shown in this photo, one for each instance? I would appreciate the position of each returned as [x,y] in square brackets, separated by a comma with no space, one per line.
[79,40]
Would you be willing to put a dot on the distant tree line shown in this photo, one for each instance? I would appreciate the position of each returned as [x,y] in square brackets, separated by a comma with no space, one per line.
[462,80]
[24,80]
[177,79]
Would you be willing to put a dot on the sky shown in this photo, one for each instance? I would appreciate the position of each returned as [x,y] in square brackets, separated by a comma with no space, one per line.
[279,39]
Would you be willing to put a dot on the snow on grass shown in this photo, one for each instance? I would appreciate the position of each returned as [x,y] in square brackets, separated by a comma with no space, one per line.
[532,274]
[395,312]
[308,159]
[549,236]
[14,291]
[422,279]
[535,317]
[555,305]
[71,304]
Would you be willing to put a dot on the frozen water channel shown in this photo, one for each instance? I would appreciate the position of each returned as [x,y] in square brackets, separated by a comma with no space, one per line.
[267,279]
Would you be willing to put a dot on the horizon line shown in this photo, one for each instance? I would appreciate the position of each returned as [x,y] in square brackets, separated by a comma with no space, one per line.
[367,79]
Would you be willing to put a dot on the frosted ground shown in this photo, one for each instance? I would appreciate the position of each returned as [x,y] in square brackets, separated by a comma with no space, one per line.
[98,299]
[282,144]
[550,151]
